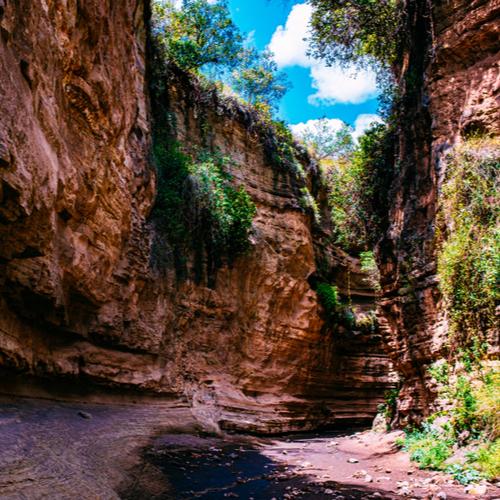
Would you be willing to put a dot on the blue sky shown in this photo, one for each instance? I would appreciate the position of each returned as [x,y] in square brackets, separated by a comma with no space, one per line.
[317,91]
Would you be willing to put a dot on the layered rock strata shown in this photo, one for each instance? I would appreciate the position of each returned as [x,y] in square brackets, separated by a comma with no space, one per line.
[450,87]
[81,297]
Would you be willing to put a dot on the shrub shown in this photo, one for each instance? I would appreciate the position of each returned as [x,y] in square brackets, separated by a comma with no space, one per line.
[464,474]
[369,266]
[329,298]
[308,203]
[440,371]
[389,406]
[358,184]
[197,206]
[488,459]
[487,410]
[469,260]
[428,447]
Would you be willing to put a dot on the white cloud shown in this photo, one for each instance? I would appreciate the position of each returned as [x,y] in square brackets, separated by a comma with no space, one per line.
[332,84]
[288,42]
[332,124]
[364,122]
[341,85]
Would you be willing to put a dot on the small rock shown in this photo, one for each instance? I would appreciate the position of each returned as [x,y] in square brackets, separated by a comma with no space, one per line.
[368,479]
[403,484]
[284,452]
[377,495]
[441,495]
[406,492]
[84,414]
[382,478]
[353,460]
[388,471]
[332,443]
[233,456]
[476,489]
[328,491]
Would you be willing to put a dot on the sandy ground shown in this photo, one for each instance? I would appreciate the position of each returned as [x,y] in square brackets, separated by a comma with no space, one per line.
[153,450]
[342,466]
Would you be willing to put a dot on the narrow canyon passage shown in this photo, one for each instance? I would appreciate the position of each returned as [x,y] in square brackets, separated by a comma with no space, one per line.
[196,301]
[155,450]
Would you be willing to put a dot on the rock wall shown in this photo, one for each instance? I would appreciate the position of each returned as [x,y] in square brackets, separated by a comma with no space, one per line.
[450,86]
[80,298]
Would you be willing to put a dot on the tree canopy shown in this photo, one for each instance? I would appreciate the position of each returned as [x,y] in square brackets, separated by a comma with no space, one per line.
[355,31]
[257,78]
[199,33]
[201,37]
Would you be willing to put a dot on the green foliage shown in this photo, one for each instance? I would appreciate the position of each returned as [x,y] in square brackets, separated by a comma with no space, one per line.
[469,260]
[329,298]
[389,406]
[197,34]
[200,37]
[326,143]
[463,415]
[308,203]
[258,80]
[440,372]
[355,31]
[428,447]
[226,210]
[369,266]
[488,459]
[197,206]
[470,416]
[464,474]
[279,145]
[358,190]
[487,396]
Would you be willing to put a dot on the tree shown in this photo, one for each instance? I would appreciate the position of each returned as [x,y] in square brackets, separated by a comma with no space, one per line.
[326,142]
[198,34]
[355,31]
[257,78]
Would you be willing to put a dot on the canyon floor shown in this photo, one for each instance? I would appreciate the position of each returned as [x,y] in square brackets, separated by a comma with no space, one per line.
[155,450]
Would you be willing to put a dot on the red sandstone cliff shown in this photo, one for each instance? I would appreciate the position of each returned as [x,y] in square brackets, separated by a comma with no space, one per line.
[79,298]
[450,88]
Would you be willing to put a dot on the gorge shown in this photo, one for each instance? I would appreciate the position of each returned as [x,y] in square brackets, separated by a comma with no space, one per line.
[93,306]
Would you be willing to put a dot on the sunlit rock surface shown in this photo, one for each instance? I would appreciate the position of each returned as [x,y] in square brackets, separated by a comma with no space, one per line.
[81,297]
[451,90]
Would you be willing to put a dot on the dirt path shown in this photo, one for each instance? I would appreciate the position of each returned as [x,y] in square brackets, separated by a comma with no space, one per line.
[346,466]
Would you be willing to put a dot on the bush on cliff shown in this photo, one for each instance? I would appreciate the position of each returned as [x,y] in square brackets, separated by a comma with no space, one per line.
[198,207]
[469,258]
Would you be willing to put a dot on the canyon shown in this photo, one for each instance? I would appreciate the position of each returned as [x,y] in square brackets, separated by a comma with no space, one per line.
[91,308]
[85,294]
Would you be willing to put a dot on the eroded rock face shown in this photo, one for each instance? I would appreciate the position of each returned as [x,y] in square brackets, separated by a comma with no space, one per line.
[451,89]
[80,297]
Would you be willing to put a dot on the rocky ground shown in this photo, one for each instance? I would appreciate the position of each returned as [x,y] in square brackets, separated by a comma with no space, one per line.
[342,466]
[154,450]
